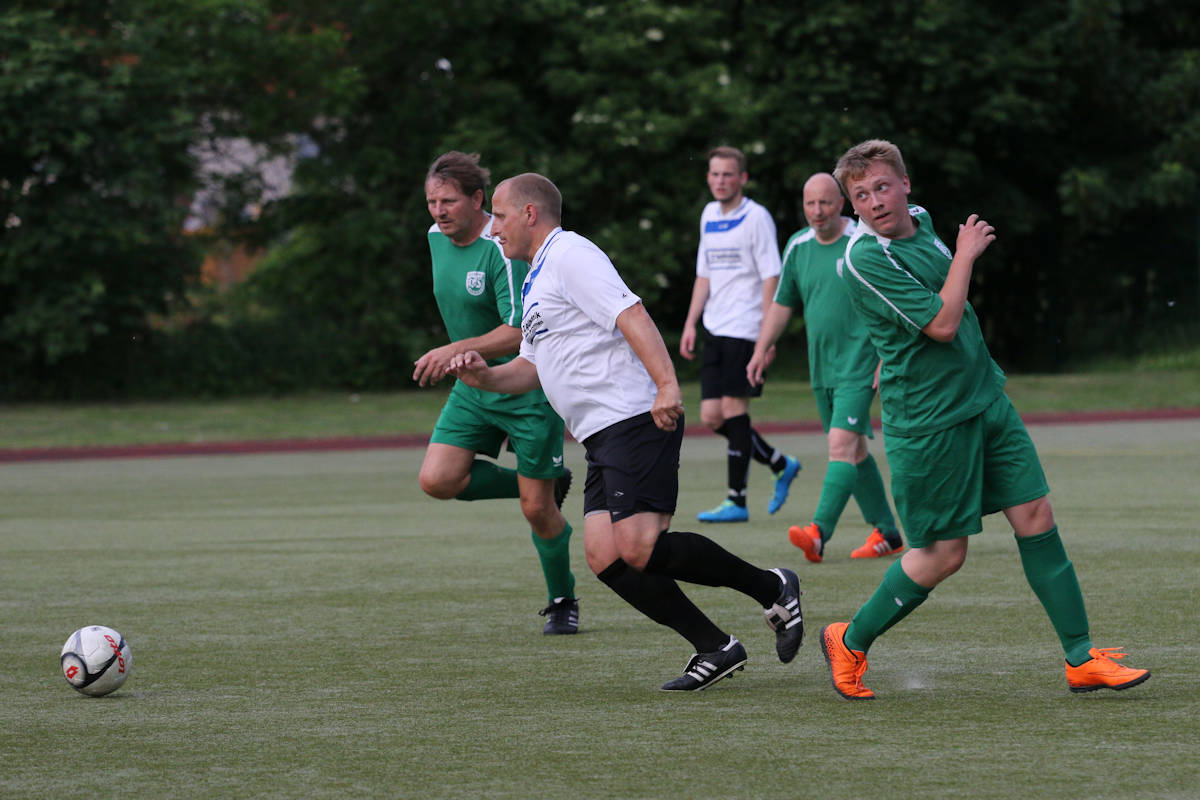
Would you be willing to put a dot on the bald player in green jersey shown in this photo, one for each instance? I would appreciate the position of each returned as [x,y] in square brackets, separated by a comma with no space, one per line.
[955,445]
[841,362]
[478,294]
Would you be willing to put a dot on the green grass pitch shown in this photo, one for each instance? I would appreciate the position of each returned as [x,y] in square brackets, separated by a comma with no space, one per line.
[311,625]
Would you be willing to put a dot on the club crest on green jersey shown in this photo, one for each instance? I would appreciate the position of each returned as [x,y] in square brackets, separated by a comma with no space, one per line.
[475,281]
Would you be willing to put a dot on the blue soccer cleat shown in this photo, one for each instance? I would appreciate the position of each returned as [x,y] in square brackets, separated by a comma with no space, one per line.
[728,511]
[783,482]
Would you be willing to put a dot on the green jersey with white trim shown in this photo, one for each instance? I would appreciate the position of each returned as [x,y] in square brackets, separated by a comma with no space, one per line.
[924,385]
[477,289]
[839,351]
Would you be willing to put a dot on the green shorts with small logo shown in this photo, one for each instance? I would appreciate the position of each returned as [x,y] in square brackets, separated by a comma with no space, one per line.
[944,483]
[845,407]
[534,432]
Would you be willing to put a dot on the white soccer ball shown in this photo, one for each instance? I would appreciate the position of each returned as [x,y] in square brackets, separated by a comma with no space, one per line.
[96,660]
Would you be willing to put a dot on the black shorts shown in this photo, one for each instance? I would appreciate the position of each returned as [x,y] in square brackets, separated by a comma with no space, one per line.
[633,466]
[723,368]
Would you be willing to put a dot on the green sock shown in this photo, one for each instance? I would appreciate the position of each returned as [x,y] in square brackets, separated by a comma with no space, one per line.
[490,481]
[872,498]
[835,493]
[555,555]
[895,598]
[1052,578]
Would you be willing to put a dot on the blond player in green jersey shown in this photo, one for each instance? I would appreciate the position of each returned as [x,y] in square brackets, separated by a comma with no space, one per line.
[841,364]
[955,445]
[478,294]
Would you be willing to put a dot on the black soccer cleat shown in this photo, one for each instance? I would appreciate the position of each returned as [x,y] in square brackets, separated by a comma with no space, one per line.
[562,485]
[705,669]
[562,617]
[785,618]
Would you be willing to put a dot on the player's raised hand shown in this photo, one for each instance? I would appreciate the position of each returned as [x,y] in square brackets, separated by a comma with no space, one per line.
[974,236]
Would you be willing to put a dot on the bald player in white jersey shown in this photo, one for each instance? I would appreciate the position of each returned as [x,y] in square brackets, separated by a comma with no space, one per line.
[589,343]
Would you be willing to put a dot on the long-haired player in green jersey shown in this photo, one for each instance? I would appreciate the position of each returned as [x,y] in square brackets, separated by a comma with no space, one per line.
[956,448]
[478,294]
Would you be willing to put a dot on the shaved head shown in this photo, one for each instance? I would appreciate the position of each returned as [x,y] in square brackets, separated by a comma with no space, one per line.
[525,209]
[822,182]
[535,189]
[823,204]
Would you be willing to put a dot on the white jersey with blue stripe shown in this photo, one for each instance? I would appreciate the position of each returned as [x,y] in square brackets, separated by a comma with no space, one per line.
[737,252]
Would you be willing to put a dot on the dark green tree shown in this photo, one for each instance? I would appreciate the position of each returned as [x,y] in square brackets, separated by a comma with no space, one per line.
[101,104]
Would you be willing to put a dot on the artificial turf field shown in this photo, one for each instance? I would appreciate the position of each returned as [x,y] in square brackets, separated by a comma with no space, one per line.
[310,625]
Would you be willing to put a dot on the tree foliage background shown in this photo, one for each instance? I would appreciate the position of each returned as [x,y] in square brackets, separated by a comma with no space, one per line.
[1072,125]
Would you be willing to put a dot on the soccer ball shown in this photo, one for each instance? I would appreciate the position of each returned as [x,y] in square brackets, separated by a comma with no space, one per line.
[96,660]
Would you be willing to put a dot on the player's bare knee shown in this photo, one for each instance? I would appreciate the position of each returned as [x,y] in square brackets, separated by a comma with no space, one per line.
[953,563]
[546,522]
[635,552]
[845,445]
[841,452]
[599,552]
[595,563]
[1032,518]
[439,486]
[948,560]
[539,510]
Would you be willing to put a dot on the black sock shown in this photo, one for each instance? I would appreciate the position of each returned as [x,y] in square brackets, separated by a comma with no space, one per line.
[765,453]
[737,431]
[691,557]
[661,599]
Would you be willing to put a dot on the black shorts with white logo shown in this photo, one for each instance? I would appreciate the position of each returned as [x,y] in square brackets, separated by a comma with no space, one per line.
[723,368]
[633,466]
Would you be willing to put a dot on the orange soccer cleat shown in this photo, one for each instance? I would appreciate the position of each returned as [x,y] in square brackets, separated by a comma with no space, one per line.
[875,546]
[1102,671]
[846,666]
[808,539]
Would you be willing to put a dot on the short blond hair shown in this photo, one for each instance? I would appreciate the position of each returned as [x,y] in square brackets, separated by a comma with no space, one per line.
[530,187]
[725,151]
[858,159]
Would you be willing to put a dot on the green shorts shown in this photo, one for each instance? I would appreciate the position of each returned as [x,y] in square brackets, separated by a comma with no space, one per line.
[944,483]
[846,407]
[535,433]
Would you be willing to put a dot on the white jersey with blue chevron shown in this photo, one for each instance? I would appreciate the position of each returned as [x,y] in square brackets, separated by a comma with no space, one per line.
[571,300]
[738,251]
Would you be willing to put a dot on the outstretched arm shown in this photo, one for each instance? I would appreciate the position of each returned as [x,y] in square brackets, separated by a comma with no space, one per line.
[500,341]
[515,377]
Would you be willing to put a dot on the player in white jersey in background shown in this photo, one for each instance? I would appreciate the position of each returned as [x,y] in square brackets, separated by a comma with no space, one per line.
[589,343]
[737,271]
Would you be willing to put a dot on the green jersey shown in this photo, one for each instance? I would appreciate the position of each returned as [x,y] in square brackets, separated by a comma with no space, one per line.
[477,289]
[924,385]
[839,351]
